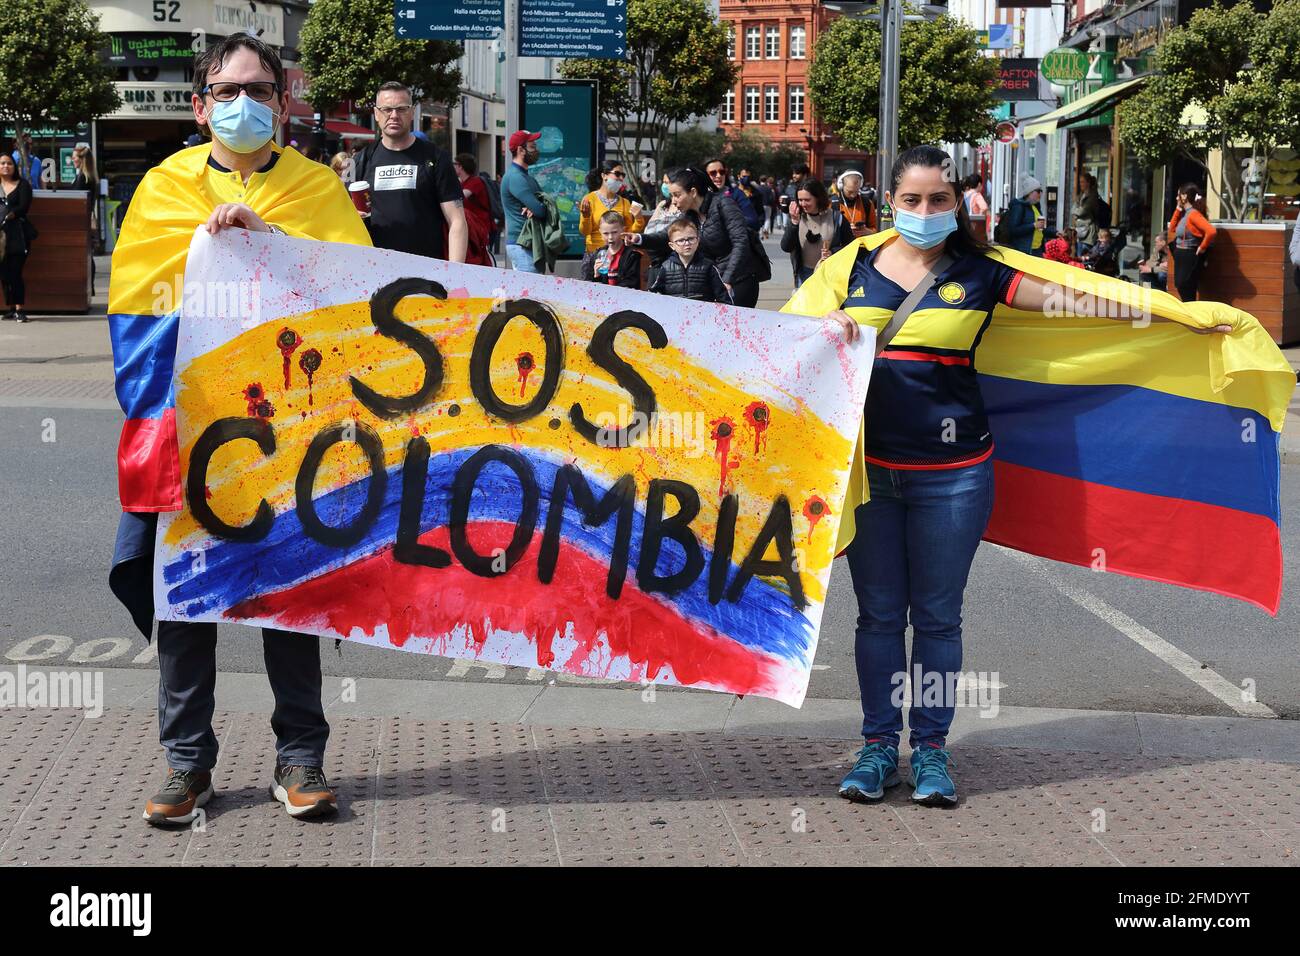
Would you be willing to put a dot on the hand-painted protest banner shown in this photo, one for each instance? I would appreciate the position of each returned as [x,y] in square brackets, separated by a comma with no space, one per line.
[523,469]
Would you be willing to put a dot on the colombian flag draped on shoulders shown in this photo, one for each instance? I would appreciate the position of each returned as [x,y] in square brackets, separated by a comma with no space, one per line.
[1134,446]
[302,198]
[146,291]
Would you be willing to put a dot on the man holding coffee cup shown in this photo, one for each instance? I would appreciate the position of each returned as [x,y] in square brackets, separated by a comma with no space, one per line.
[415,198]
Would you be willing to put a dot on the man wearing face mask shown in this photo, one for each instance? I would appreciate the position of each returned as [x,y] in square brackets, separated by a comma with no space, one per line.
[240,179]
[521,194]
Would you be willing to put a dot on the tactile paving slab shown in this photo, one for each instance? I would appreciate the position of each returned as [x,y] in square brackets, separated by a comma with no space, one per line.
[479,792]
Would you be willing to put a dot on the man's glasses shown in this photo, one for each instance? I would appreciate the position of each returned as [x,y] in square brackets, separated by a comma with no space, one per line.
[391,110]
[685,240]
[225,92]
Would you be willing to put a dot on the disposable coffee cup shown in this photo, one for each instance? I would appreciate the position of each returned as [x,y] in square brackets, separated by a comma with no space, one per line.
[360,193]
[636,209]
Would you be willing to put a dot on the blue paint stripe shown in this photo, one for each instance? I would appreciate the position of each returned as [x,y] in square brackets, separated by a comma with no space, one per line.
[232,572]
[144,354]
[1138,439]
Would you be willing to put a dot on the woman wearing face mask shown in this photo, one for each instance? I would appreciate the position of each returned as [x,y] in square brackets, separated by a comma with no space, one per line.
[817,229]
[724,233]
[927,448]
[607,197]
[665,215]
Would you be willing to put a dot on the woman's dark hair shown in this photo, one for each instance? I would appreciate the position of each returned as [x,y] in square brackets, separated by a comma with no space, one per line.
[594,179]
[468,163]
[608,166]
[1194,196]
[691,178]
[973,181]
[964,241]
[817,189]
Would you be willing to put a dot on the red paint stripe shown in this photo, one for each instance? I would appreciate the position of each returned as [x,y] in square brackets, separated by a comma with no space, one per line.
[148,464]
[1011,288]
[427,602]
[1207,547]
[964,463]
[925,357]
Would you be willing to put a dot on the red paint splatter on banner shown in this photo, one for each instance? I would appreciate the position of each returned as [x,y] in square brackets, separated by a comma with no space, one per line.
[759,417]
[254,394]
[264,409]
[309,362]
[287,342]
[814,509]
[645,631]
[724,429]
[524,361]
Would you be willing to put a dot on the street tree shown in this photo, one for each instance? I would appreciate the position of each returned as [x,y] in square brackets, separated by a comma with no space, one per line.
[676,67]
[349,47]
[946,88]
[1229,76]
[51,73]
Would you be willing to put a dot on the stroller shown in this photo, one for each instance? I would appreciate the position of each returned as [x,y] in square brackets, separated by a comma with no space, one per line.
[1107,264]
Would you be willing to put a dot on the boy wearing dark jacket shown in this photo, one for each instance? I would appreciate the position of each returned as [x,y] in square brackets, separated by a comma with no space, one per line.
[686,274]
[618,263]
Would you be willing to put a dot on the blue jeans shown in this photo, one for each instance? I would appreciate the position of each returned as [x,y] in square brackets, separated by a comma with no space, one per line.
[913,549]
[521,259]
[801,275]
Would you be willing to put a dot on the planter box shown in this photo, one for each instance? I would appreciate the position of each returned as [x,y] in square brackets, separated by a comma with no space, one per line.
[57,273]
[1248,267]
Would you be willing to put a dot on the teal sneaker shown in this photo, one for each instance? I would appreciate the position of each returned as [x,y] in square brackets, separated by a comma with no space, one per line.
[876,768]
[934,787]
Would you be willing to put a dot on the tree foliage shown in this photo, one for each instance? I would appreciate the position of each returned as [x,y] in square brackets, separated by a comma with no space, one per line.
[750,149]
[677,67]
[1241,70]
[945,92]
[349,47]
[50,67]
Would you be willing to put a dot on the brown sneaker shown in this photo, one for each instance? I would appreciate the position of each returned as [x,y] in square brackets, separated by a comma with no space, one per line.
[304,791]
[178,801]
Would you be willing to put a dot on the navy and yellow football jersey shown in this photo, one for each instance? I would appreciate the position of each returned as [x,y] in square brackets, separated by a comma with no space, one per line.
[924,408]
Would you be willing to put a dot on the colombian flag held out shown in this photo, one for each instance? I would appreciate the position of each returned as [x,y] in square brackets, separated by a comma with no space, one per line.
[145,293]
[508,467]
[1131,446]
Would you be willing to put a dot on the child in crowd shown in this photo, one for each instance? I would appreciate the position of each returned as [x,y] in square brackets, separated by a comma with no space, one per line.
[617,263]
[686,274]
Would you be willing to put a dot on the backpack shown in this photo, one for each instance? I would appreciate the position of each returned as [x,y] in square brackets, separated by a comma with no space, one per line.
[494,198]
[1104,220]
[1002,231]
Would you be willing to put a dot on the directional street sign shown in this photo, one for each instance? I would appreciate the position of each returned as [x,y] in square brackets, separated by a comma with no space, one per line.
[449,19]
[586,29]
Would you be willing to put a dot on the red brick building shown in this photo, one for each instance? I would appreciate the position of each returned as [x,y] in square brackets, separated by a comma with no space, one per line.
[772,44]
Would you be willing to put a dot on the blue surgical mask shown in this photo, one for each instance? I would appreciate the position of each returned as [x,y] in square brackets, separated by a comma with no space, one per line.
[925,232]
[242,124]
[613,185]
[663,188]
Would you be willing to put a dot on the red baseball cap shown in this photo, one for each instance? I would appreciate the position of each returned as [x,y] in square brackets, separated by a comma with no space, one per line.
[522,136]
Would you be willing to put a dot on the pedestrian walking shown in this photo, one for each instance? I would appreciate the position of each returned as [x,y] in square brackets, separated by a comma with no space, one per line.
[720,180]
[1088,213]
[977,207]
[478,210]
[1025,226]
[1191,234]
[767,188]
[930,488]
[521,195]
[415,197]
[17,236]
[240,180]
[816,230]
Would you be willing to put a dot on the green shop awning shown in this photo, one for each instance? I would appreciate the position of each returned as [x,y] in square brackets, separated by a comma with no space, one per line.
[1098,101]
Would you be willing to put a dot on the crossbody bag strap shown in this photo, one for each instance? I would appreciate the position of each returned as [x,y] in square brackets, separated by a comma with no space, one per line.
[913,299]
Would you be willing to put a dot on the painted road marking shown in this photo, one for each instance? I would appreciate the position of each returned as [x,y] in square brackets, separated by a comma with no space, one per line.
[1204,677]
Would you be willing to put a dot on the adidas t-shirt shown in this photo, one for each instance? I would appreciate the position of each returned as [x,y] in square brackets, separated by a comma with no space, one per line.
[924,408]
[407,188]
